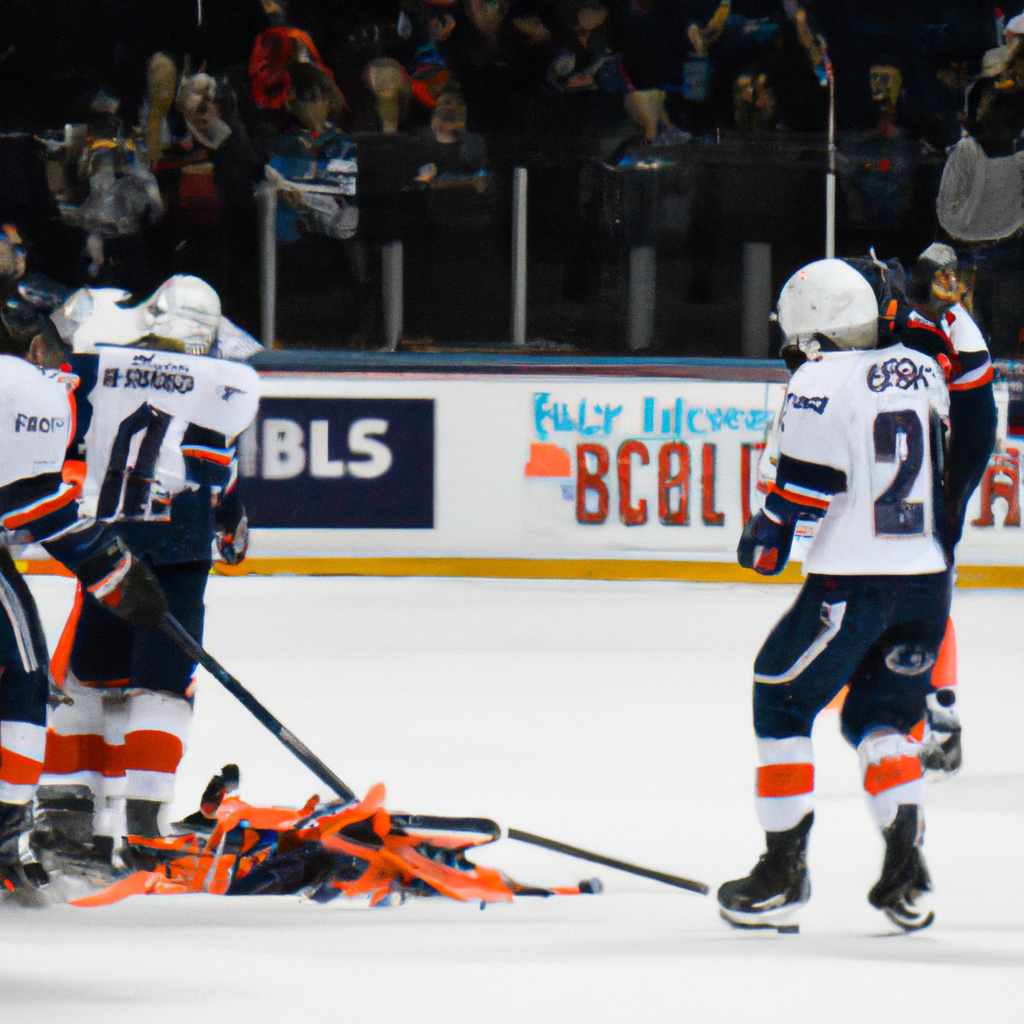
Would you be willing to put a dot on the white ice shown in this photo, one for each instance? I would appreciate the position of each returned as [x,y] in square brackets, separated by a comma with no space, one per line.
[614,716]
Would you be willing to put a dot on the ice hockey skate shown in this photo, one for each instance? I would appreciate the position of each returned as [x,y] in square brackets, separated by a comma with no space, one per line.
[902,890]
[19,868]
[778,885]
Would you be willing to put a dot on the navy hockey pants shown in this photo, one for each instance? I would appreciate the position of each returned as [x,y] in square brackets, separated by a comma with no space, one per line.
[879,634]
[109,652]
[24,660]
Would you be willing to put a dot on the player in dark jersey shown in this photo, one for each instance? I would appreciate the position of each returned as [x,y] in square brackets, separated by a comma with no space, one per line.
[156,432]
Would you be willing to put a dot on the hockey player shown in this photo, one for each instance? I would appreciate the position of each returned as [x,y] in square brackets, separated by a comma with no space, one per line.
[940,324]
[860,448]
[37,417]
[158,419]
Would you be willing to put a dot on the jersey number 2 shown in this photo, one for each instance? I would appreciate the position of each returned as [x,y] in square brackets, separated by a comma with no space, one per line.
[893,513]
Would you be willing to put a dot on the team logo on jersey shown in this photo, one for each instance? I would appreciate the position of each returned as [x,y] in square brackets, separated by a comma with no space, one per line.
[226,391]
[37,424]
[816,404]
[154,379]
[898,373]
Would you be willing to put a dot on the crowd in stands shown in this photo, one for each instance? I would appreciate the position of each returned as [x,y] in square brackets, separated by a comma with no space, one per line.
[176,111]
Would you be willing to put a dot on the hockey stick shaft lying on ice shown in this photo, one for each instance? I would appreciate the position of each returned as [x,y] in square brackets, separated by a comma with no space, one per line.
[178,634]
[610,862]
[174,629]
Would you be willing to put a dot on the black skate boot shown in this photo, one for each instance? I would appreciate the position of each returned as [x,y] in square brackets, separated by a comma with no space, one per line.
[64,838]
[14,819]
[777,887]
[903,888]
[19,868]
[941,752]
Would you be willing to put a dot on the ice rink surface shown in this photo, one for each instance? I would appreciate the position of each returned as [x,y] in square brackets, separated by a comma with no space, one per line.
[614,716]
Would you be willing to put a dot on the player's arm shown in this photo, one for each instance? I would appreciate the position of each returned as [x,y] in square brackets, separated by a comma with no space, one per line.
[44,509]
[806,477]
[211,458]
[972,424]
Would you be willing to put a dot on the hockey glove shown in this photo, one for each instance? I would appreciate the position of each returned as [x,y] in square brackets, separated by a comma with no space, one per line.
[232,534]
[124,583]
[765,543]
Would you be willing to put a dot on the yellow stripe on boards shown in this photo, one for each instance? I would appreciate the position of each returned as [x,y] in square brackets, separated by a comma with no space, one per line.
[968,576]
[511,568]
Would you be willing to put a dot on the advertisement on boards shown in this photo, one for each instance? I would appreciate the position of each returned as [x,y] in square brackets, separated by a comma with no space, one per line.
[340,463]
[676,466]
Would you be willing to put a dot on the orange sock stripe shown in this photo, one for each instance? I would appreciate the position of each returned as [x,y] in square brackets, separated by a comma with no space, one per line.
[149,750]
[785,779]
[85,752]
[18,770]
[893,771]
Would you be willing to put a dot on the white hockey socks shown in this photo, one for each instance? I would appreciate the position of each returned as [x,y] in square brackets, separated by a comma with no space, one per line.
[785,782]
[22,747]
[891,768]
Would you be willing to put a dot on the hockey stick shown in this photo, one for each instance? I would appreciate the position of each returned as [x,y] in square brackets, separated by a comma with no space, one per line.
[172,628]
[610,862]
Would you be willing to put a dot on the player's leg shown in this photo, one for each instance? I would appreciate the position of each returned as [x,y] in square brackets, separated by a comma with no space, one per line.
[160,701]
[23,702]
[24,694]
[941,751]
[803,664]
[81,800]
[887,699]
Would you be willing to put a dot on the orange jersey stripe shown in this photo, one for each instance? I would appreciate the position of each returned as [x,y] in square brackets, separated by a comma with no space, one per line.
[17,769]
[58,501]
[893,771]
[798,499]
[785,779]
[985,378]
[150,750]
[210,456]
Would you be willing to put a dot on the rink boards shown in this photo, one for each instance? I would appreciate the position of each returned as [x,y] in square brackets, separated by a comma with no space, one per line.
[566,469]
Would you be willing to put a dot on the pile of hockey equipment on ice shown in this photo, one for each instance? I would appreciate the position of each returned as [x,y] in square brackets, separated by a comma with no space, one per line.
[321,851]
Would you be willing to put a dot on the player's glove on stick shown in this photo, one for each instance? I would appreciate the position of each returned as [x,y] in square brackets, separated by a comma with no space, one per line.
[232,535]
[124,583]
[765,543]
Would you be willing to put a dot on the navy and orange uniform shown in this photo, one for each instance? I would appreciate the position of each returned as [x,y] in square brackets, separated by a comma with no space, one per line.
[38,504]
[156,432]
[861,449]
[37,412]
[960,349]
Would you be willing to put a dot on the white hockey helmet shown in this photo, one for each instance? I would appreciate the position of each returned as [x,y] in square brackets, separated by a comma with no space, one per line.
[828,301]
[185,309]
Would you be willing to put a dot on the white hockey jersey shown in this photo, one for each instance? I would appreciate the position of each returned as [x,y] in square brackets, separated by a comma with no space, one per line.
[152,411]
[860,441]
[37,414]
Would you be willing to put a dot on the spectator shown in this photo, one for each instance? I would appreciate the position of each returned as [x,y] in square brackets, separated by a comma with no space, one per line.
[389,83]
[206,181]
[313,163]
[453,152]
